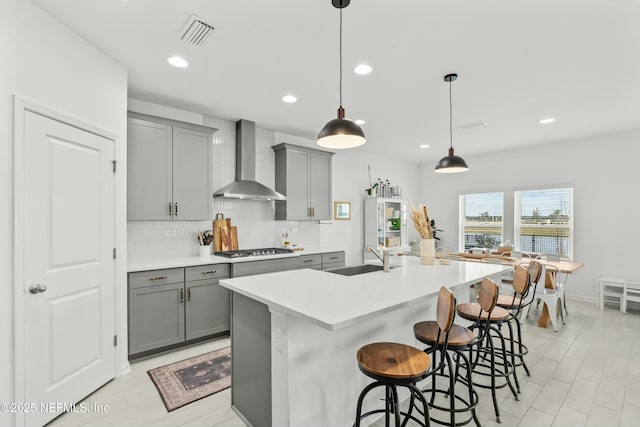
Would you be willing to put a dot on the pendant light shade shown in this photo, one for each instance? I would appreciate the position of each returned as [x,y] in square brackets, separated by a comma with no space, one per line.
[451,163]
[341,133]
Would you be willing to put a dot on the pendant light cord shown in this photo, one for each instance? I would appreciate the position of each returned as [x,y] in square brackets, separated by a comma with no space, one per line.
[340,58]
[450,118]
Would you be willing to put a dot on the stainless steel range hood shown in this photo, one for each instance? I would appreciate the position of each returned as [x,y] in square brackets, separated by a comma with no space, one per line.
[245,186]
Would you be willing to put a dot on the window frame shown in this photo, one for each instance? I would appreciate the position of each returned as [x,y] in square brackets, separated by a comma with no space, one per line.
[462,214]
[517,217]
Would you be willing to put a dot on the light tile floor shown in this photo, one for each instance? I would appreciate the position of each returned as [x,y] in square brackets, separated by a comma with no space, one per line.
[586,374]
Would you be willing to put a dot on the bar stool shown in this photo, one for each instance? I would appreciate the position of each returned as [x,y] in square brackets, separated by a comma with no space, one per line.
[514,304]
[392,365]
[488,359]
[443,336]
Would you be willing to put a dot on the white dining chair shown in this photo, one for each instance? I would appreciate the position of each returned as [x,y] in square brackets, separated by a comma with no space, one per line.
[561,278]
[551,297]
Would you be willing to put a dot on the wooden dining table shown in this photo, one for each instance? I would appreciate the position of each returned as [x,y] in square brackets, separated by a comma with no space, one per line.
[567,267]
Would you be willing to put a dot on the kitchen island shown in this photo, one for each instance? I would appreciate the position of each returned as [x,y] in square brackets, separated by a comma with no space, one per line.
[295,334]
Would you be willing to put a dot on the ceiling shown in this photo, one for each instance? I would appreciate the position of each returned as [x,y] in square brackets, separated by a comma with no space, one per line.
[518,62]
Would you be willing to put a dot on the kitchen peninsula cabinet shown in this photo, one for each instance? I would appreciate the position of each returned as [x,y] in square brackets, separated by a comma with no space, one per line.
[289,327]
[304,176]
[172,306]
[168,169]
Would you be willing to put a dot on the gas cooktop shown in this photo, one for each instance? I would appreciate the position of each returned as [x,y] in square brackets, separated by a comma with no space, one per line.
[253,252]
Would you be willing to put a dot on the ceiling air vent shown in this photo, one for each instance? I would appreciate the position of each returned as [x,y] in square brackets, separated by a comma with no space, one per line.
[473,125]
[195,31]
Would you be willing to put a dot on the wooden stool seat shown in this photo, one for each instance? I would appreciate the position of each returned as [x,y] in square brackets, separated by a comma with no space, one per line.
[427,332]
[393,361]
[394,365]
[471,311]
[508,301]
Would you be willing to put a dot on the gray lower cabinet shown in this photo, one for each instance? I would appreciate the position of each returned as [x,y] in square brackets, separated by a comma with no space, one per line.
[207,310]
[156,309]
[311,261]
[173,306]
[322,261]
[332,260]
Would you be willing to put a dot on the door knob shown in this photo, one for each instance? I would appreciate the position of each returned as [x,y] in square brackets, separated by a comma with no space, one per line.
[37,288]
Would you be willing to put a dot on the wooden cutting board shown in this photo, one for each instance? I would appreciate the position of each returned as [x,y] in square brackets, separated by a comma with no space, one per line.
[234,238]
[217,233]
[225,238]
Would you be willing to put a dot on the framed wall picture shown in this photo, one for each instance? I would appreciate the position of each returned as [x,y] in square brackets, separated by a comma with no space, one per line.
[342,210]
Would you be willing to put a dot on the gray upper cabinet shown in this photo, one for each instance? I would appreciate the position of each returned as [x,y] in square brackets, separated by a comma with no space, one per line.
[168,170]
[304,176]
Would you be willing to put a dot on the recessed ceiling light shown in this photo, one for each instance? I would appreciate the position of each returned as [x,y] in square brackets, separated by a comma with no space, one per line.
[363,69]
[547,120]
[359,122]
[178,62]
[289,99]
[425,146]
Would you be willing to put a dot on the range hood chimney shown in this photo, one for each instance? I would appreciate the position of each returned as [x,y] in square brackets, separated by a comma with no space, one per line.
[245,186]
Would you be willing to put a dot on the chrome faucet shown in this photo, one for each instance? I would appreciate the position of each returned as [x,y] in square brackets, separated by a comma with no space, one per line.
[384,258]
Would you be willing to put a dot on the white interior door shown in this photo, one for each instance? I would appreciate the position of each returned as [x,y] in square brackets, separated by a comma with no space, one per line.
[68,263]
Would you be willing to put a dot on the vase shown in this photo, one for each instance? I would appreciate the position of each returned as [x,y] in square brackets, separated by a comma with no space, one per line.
[427,251]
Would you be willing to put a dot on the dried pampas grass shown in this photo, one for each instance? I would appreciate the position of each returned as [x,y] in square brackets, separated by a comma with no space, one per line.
[421,222]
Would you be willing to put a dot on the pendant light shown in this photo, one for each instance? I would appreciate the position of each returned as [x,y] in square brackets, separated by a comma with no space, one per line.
[341,133]
[451,163]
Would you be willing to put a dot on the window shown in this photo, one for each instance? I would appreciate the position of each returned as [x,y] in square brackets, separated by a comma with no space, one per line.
[481,220]
[544,221]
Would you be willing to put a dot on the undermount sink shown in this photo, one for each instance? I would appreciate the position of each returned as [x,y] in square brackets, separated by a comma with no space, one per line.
[356,269]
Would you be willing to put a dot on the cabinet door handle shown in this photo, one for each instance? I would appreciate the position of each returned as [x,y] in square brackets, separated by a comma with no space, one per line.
[308,260]
[210,272]
[334,257]
[313,211]
[189,294]
[170,213]
[176,208]
[158,278]
[308,211]
[181,295]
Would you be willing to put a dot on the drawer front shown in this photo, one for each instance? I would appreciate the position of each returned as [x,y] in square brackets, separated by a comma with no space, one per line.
[331,265]
[332,257]
[167,276]
[266,266]
[310,261]
[210,271]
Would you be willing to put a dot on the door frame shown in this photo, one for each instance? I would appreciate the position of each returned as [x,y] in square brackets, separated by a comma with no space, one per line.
[21,106]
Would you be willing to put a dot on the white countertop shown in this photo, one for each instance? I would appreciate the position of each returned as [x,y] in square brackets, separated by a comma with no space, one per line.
[333,301]
[155,264]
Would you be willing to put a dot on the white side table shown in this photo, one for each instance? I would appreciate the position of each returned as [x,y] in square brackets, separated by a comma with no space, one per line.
[611,288]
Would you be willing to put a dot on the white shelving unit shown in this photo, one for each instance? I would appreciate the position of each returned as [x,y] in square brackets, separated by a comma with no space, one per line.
[385,224]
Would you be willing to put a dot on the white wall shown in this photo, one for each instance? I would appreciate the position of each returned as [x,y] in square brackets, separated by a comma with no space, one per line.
[255,220]
[605,177]
[55,68]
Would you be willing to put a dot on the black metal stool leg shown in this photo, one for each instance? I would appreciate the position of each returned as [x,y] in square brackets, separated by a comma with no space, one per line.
[363,393]
[513,356]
